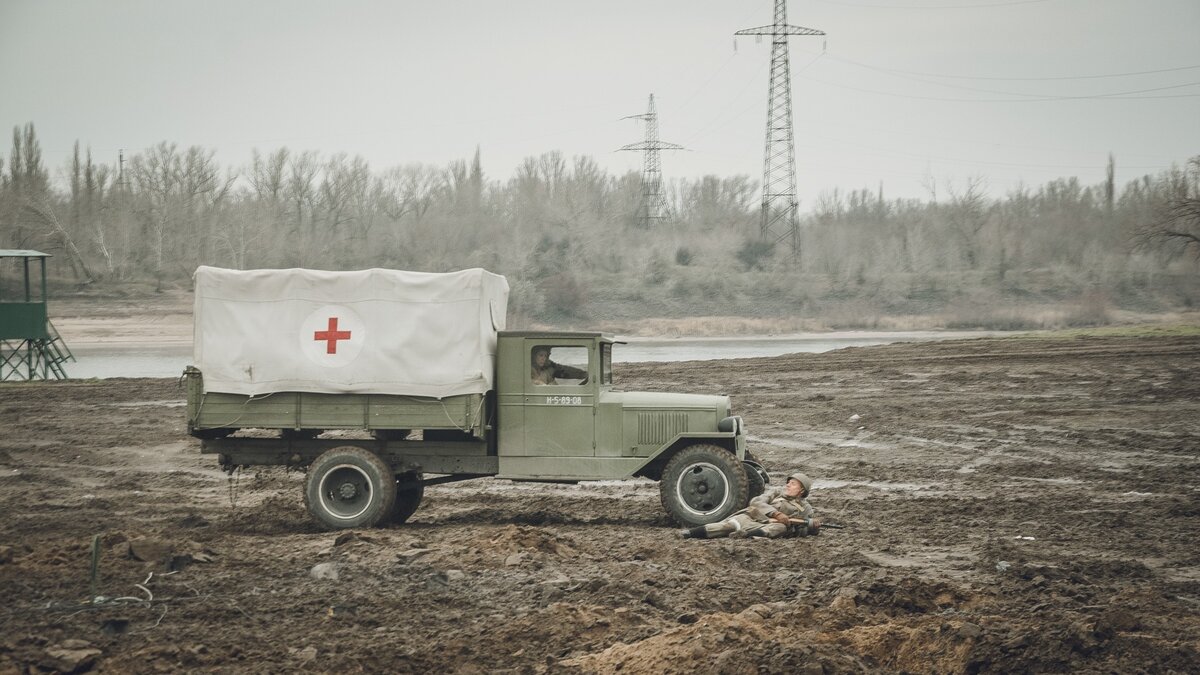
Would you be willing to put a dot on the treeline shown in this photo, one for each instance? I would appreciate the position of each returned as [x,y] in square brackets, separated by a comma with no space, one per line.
[566,234]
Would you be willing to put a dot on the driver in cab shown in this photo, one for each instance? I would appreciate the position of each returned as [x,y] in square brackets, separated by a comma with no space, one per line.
[544,371]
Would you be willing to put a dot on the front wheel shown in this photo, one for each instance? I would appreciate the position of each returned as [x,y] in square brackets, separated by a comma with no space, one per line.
[703,484]
[349,487]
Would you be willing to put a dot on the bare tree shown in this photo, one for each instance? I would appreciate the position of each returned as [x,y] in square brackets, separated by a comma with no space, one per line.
[88,183]
[1110,184]
[95,185]
[27,183]
[44,211]
[155,176]
[410,190]
[299,188]
[1175,226]
[968,214]
[267,175]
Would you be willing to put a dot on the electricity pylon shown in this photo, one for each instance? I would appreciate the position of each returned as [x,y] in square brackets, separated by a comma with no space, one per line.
[654,205]
[779,207]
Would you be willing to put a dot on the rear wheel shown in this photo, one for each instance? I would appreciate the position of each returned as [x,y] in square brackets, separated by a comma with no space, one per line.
[703,484]
[409,492]
[349,487]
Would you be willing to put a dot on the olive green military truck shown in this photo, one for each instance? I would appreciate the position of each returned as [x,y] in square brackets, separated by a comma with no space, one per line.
[373,430]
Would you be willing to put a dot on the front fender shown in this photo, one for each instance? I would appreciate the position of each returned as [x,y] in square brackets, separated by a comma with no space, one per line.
[733,441]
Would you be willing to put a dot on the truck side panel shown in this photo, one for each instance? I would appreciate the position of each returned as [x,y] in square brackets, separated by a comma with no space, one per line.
[470,458]
[292,410]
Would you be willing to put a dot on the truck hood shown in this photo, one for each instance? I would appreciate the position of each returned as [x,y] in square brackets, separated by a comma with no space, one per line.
[658,400]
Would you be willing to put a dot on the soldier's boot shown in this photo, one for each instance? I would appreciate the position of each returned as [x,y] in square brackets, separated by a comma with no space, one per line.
[694,533]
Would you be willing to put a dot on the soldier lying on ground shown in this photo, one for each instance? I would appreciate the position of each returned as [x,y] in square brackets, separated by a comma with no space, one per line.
[774,513]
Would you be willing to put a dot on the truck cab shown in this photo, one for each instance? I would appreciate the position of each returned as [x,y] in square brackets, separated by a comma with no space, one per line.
[587,428]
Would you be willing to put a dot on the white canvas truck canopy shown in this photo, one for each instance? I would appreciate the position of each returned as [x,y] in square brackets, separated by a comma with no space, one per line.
[372,331]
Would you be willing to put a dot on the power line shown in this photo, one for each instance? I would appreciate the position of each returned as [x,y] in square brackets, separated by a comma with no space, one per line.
[881,69]
[723,118]
[1114,96]
[1034,96]
[1005,3]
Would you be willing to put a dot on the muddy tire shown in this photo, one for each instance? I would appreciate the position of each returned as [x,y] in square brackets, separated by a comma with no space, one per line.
[350,487]
[755,475]
[703,484]
[409,492]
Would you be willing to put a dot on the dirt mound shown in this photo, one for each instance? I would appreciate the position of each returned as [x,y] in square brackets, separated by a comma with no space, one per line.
[518,539]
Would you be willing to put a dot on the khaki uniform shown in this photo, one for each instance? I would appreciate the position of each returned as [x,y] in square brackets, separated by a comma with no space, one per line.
[547,373]
[755,520]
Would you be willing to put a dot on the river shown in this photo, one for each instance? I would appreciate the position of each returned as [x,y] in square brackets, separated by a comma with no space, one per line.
[105,360]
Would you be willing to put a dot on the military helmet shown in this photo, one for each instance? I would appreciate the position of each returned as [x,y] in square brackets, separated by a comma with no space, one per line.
[804,480]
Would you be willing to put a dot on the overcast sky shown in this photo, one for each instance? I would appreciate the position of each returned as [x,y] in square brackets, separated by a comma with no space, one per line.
[898,91]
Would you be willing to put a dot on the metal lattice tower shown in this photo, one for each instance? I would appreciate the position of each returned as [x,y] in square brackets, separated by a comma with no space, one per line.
[779,206]
[654,204]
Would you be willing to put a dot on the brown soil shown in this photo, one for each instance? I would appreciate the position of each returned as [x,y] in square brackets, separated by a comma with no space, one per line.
[1010,504]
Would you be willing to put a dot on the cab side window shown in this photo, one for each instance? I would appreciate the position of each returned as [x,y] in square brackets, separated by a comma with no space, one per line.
[550,364]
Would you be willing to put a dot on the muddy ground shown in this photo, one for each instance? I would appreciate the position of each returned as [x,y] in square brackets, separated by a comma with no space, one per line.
[1011,505]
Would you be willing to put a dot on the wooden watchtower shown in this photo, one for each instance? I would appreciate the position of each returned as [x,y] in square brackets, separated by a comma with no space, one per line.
[30,348]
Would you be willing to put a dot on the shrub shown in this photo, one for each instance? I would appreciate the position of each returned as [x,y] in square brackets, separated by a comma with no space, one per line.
[754,253]
[1091,310]
[563,294]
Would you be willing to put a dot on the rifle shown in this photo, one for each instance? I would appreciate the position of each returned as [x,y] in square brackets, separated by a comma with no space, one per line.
[808,524]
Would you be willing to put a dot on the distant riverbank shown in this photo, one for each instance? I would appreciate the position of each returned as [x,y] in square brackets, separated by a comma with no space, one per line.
[150,334]
[165,319]
[128,358]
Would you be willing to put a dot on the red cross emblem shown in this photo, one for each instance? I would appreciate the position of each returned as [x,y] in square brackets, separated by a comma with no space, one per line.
[331,335]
